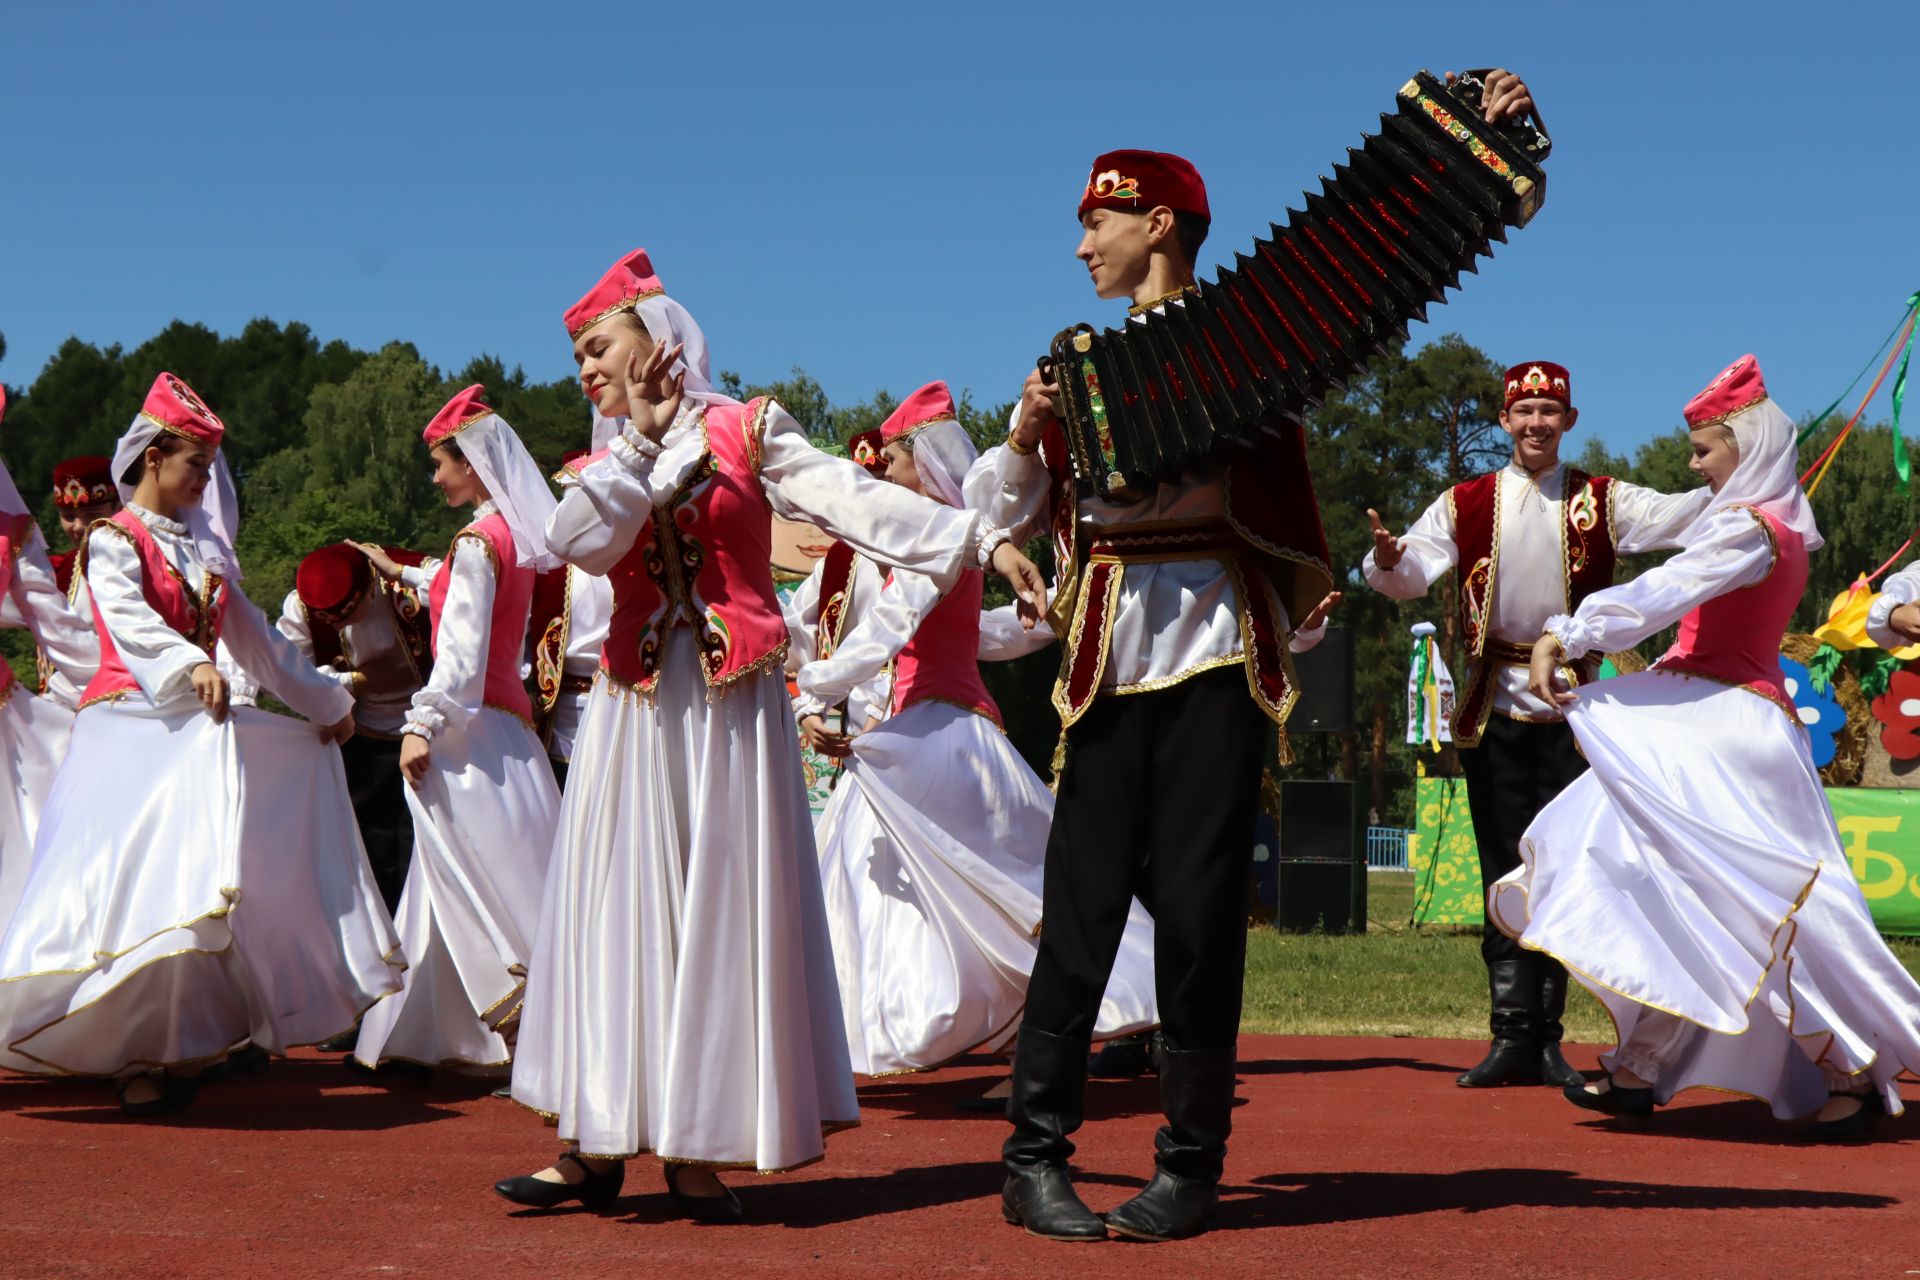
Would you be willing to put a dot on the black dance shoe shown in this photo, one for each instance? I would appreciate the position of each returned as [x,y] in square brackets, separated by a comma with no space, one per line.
[342,1043]
[1849,1128]
[1555,1071]
[1613,1100]
[1507,1062]
[1168,1208]
[594,1190]
[1041,1198]
[176,1095]
[1127,1058]
[725,1207]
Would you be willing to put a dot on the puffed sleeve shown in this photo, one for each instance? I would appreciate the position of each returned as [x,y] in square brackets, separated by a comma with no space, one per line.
[1003,637]
[875,640]
[605,504]
[1429,552]
[276,662]
[293,624]
[880,520]
[1648,520]
[455,691]
[160,659]
[1307,637]
[1010,489]
[420,576]
[1902,588]
[802,613]
[1736,549]
[61,629]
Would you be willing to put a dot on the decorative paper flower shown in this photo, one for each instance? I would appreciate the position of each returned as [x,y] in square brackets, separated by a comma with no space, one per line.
[1898,711]
[1821,713]
[1846,624]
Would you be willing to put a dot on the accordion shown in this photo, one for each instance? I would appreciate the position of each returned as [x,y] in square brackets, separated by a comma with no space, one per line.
[1295,318]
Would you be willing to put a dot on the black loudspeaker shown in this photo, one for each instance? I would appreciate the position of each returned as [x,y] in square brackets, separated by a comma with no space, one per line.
[1325,676]
[1322,875]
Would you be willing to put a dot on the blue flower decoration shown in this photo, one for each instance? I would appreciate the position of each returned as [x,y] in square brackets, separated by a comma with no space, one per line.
[1821,713]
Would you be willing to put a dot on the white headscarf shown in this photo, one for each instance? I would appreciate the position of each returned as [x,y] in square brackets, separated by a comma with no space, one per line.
[942,452]
[604,428]
[213,524]
[670,324]
[1768,474]
[515,483]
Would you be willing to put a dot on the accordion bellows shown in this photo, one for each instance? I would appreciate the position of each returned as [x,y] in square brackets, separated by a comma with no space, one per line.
[1302,312]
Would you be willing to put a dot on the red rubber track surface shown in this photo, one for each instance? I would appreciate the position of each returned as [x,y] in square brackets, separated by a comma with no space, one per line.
[1354,1158]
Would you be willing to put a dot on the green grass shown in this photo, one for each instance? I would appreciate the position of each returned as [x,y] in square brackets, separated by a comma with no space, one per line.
[1395,980]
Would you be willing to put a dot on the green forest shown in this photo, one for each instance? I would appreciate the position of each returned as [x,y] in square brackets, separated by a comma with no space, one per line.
[324,441]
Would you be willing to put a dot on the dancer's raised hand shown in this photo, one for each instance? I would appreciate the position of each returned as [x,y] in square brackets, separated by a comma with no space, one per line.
[654,394]
[1387,549]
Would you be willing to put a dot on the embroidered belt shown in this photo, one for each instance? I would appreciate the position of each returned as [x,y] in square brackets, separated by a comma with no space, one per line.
[1159,542]
[1084,642]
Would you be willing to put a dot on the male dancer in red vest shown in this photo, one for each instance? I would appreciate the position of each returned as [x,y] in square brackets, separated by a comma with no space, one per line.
[1530,540]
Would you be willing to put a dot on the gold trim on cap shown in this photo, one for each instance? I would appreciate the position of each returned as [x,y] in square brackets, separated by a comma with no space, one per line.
[625,304]
[1719,418]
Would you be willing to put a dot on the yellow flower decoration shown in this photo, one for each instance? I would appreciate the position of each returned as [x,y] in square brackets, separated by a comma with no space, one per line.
[1846,624]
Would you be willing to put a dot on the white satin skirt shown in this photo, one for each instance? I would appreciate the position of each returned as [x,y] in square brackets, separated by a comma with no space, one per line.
[681,999]
[931,856]
[33,741]
[1695,871]
[483,823]
[195,887]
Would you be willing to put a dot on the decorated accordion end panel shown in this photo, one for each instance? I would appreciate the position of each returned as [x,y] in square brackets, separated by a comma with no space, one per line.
[1302,310]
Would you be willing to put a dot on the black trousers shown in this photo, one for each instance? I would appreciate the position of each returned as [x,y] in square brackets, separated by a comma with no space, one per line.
[1157,800]
[379,798]
[560,768]
[1511,775]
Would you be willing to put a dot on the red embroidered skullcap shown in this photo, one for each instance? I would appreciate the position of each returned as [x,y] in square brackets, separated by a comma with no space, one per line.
[1738,388]
[332,579]
[865,450]
[457,415]
[1141,180]
[173,405]
[1538,380]
[930,404]
[83,482]
[626,283]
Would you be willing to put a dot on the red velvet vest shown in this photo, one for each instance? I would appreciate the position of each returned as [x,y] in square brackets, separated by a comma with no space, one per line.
[836,593]
[166,593]
[507,627]
[1736,637]
[703,560]
[1587,561]
[942,661]
[1270,539]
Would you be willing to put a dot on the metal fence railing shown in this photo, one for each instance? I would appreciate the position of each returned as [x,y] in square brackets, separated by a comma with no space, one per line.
[1386,849]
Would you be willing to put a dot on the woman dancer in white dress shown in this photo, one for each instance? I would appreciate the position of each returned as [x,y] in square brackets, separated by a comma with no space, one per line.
[198,884]
[1693,878]
[931,848]
[33,730]
[682,998]
[481,792]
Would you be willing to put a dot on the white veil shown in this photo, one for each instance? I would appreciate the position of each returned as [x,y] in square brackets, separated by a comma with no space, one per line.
[514,480]
[943,452]
[214,524]
[670,323]
[1768,474]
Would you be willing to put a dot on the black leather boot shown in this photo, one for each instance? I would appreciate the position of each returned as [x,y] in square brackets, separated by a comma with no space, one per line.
[1555,1071]
[1514,1057]
[1196,1091]
[1049,1093]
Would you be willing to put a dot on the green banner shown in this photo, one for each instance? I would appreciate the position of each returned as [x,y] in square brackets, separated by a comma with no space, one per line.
[1880,831]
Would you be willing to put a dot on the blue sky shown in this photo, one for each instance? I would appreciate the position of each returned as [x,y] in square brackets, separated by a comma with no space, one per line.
[884,194]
